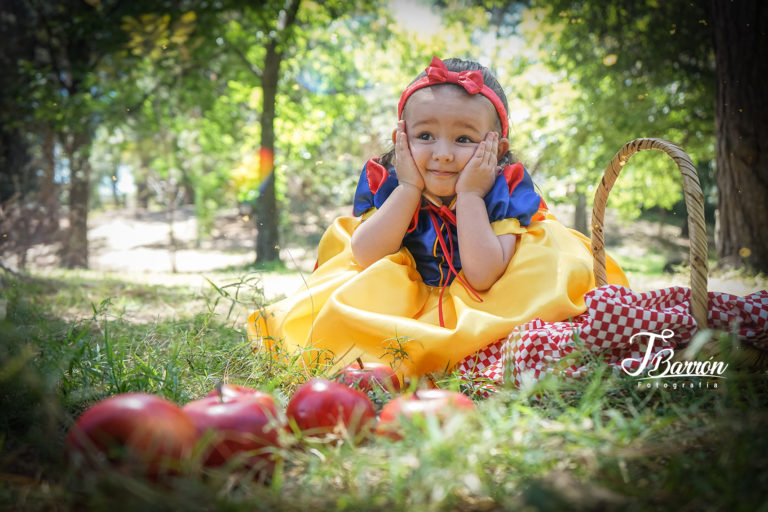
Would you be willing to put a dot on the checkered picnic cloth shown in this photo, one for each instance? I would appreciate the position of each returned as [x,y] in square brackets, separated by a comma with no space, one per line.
[614,314]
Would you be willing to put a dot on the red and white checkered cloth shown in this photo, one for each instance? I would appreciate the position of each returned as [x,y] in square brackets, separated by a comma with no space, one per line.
[614,314]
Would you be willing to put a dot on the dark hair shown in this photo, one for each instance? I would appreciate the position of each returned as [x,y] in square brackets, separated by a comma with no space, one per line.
[459,65]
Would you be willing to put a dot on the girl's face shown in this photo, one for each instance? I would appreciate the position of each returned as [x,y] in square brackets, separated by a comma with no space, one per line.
[444,125]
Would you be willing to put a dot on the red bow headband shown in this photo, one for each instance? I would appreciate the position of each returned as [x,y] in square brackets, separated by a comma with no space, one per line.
[471,81]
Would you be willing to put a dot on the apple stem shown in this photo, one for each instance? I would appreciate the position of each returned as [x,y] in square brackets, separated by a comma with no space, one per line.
[220,390]
[360,362]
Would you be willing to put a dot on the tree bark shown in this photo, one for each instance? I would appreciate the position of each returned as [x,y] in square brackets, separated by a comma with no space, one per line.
[115,190]
[75,248]
[267,217]
[741,118]
[265,211]
[142,187]
[580,213]
[49,198]
[172,192]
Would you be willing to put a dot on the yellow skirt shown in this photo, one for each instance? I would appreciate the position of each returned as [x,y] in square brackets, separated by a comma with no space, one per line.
[387,313]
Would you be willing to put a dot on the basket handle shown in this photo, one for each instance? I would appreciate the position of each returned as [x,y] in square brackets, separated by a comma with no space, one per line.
[694,202]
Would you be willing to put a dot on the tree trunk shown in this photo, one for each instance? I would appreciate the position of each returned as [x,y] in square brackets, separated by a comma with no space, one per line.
[142,187]
[741,117]
[265,211]
[172,192]
[580,213]
[188,187]
[267,235]
[115,191]
[49,199]
[75,248]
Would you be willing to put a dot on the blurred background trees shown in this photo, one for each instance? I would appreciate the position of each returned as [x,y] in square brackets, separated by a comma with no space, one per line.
[272,107]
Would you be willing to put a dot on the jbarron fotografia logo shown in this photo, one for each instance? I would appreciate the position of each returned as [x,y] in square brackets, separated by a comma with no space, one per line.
[660,364]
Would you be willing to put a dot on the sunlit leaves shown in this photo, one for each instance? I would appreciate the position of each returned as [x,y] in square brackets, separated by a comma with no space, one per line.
[182,81]
[633,77]
[153,34]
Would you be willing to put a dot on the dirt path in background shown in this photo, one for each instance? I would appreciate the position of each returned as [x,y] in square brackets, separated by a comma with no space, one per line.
[134,246]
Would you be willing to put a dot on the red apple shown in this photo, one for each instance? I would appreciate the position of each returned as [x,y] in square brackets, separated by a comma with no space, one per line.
[231,390]
[370,376]
[240,422]
[321,407]
[137,431]
[440,403]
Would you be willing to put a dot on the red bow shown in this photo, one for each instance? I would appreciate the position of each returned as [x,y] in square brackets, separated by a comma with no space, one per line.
[446,216]
[443,212]
[471,81]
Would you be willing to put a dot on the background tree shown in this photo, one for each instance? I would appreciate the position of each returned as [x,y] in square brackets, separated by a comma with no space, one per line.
[20,224]
[638,69]
[741,54]
[71,42]
[277,44]
[65,81]
[276,106]
[183,142]
[273,23]
[651,69]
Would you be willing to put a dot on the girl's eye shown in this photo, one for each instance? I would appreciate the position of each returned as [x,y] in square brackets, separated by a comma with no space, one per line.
[464,140]
[424,136]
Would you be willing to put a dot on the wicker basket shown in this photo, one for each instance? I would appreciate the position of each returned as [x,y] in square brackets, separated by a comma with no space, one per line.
[694,201]
[742,355]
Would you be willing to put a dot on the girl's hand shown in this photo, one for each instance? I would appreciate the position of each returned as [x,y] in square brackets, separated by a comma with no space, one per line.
[405,167]
[480,173]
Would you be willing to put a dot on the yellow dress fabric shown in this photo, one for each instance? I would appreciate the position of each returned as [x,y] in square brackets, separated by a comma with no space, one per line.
[387,313]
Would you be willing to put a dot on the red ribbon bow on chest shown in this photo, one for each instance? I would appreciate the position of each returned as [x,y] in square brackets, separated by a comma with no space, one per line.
[446,217]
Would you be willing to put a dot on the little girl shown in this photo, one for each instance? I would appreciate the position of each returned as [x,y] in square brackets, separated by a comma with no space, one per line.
[450,248]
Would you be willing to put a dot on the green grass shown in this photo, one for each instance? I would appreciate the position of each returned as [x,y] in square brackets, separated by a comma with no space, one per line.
[651,263]
[597,443]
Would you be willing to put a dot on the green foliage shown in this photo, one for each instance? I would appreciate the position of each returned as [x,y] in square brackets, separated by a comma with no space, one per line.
[186,127]
[318,107]
[175,90]
[642,69]
[174,95]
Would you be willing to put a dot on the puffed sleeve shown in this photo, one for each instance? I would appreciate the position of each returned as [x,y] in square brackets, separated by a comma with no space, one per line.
[375,185]
[512,201]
